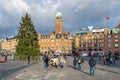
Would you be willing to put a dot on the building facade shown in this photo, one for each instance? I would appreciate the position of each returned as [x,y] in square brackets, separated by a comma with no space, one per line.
[56,42]
[91,39]
[9,44]
[112,40]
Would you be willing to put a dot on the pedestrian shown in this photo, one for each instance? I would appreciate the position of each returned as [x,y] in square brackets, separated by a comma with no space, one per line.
[52,61]
[104,60]
[56,61]
[92,64]
[75,62]
[80,61]
[113,59]
[109,58]
[28,59]
[62,61]
[46,60]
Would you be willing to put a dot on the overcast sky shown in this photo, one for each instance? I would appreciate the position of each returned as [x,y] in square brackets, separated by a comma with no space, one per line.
[76,14]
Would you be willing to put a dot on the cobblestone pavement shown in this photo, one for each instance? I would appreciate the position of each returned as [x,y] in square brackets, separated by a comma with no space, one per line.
[36,71]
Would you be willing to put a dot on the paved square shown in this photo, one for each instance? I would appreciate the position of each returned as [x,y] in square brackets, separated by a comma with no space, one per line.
[35,71]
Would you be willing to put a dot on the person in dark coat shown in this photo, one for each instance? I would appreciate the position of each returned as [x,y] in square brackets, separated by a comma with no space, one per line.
[28,59]
[46,60]
[92,64]
[75,62]
[109,58]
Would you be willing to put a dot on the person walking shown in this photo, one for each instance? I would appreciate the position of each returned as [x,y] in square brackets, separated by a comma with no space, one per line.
[28,59]
[51,62]
[109,58]
[75,62]
[62,61]
[92,64]
[46,60]
[56,61]
[80,61]
[113,59]
[104,60]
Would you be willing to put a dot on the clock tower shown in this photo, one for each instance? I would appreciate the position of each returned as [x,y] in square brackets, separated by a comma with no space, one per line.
[58,22]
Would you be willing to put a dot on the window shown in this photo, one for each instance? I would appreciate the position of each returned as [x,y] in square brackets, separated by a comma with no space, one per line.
[101,36]
[58,36]
[95,41]
[79,45]
[84,45]
[65,36]
[109,36]
[52,45]
[84,49]
[52,40]
[116,45]
[89,37]
[100,40]
[110,32]
[116,36]
[116,40]
[89,45]
[89,41]
[95,49]
[95,37]
[95,45]
[109,40]
[81,41]
[100,49]
[101,45]
[48,36]
[109,45]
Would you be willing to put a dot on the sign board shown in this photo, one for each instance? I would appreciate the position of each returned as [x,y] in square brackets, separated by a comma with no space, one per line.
[98,30]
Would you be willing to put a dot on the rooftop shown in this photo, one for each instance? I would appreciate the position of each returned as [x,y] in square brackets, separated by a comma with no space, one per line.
[118,26]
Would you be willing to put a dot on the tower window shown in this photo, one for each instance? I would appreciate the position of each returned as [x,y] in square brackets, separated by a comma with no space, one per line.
[65,36]
[58,36]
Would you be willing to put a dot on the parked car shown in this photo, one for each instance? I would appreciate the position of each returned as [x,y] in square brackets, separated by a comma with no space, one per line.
[2,59]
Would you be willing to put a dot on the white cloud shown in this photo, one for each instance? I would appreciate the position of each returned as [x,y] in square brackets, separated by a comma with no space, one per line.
[75,13]
[15,6]
[3,22]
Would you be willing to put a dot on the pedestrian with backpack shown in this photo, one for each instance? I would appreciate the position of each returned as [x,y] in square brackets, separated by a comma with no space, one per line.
[92,64]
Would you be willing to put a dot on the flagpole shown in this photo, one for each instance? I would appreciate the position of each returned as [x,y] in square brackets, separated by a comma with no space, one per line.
[105,22]
[106,19]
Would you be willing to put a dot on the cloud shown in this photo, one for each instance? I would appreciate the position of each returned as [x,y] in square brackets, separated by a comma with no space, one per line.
[76,14]
[15,6]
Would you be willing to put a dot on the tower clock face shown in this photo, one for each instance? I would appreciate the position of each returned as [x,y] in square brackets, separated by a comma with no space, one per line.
[65,36]
[58,36]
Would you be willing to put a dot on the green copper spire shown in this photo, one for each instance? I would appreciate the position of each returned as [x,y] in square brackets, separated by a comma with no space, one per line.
[58,14]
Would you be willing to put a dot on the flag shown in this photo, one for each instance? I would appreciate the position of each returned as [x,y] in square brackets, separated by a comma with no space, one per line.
[107,17]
